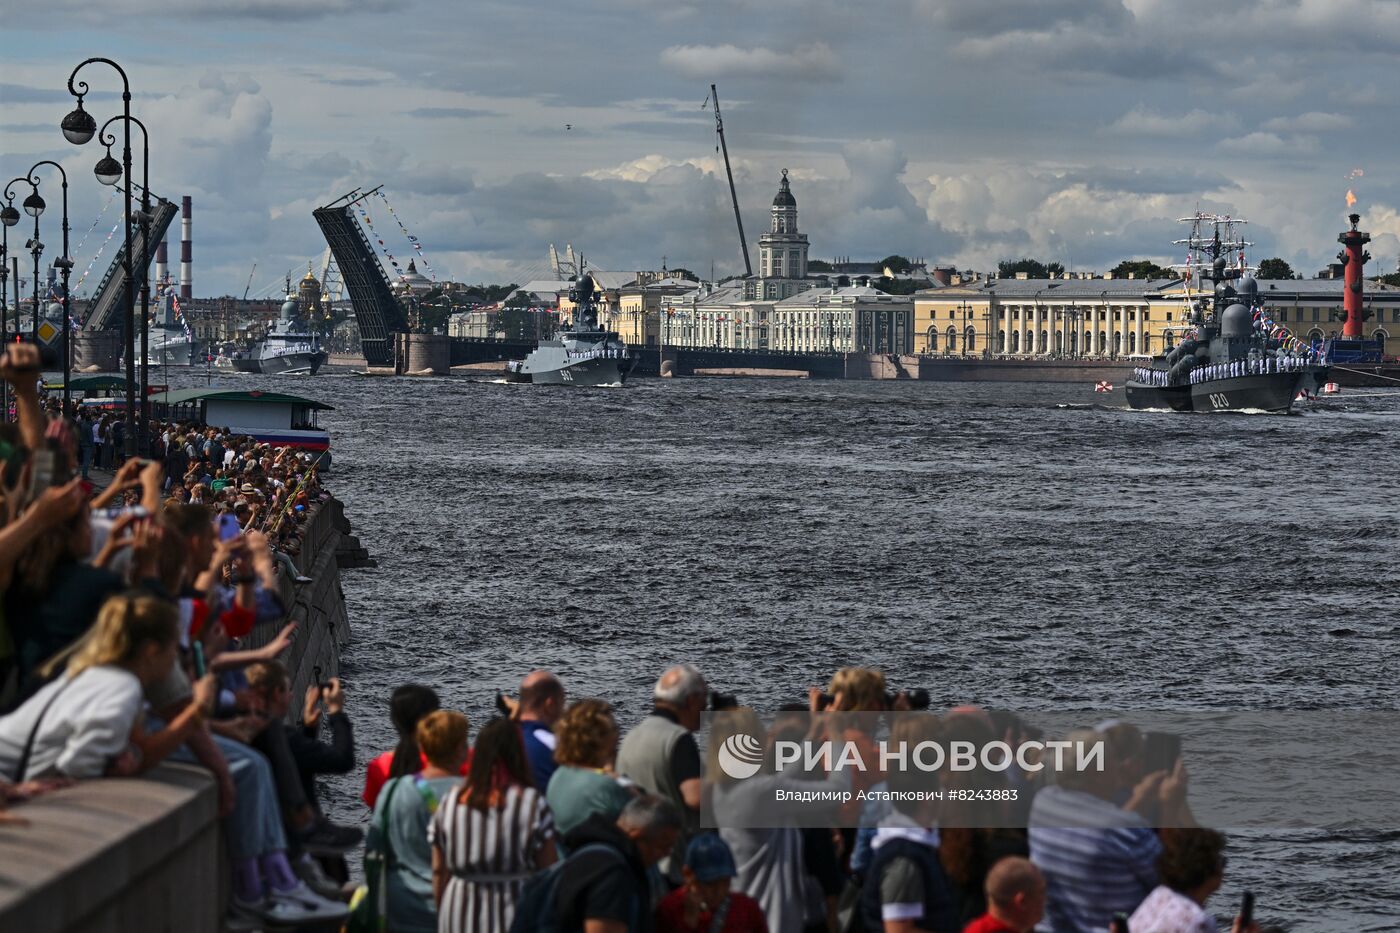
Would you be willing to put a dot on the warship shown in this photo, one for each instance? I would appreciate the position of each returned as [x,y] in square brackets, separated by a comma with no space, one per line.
[1231,358]
[582,354]
[169,340]
[288,346]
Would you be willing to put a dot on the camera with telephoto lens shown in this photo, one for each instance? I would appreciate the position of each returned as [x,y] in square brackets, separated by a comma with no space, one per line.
[719,702]
[918,699]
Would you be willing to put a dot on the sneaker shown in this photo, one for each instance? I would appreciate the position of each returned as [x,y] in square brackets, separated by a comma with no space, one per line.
[310,871]
[301,905]
[327,838]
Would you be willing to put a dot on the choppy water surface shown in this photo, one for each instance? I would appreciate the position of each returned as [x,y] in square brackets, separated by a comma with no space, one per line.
[1011,545]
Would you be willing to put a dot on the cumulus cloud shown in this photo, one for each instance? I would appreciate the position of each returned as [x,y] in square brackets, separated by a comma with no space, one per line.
[1024,15]
[813,62]
[1142,121]
[1311,122]
[1270,145]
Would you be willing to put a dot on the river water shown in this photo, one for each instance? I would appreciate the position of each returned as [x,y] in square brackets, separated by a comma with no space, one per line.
[1035,547]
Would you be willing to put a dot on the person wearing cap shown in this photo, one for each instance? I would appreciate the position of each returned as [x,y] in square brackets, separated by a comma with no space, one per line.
[703,903]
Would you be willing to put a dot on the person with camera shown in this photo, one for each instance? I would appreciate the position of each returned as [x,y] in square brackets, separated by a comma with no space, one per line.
[660,754]
[1099,858]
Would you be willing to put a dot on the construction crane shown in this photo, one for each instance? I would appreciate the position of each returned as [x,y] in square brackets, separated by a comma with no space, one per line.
[719,128]
[249,286]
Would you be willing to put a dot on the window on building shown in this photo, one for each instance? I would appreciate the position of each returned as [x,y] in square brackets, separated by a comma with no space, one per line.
[932,340]
[1169,317]
[1316,315]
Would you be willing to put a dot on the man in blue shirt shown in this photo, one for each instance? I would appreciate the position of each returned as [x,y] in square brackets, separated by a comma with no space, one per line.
[541,705]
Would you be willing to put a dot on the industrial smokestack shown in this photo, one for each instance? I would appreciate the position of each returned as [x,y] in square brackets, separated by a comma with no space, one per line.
[162,267]
[186,279]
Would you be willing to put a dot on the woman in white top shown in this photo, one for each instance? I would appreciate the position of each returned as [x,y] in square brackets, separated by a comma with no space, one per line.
[1191,868]
[85,722]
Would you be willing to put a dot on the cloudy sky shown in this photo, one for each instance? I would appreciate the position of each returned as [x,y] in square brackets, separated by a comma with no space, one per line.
[962,132]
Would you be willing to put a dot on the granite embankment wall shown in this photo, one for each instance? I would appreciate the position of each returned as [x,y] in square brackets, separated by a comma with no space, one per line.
[144,855]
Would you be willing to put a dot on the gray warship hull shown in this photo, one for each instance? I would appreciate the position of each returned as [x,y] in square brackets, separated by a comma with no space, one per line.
[575,358]
[596,372]
[1271,392]
[274,364]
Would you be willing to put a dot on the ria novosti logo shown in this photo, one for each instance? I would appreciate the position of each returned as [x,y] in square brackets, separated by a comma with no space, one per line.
[740,756]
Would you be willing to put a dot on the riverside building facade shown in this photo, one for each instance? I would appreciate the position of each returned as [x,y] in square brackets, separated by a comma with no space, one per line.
[785,308]
[1113,318]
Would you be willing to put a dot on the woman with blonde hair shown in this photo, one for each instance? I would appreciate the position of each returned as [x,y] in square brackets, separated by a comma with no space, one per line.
[84,723]
[403,812]
[584,783]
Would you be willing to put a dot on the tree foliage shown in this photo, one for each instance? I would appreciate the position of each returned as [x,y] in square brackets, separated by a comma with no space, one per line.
[818,265]
[1034,268]
[896,264]
[897,286]
[1141,269]
[683,274]
[1275,268]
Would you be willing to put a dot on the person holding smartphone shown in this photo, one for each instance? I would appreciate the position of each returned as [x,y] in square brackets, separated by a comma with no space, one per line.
[1191,868]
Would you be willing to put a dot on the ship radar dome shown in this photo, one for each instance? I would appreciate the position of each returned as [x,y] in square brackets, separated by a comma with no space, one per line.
[1236,322]
[1248,286]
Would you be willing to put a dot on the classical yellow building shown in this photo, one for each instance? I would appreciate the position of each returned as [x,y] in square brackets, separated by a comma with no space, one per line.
[1112,318]
[637,318]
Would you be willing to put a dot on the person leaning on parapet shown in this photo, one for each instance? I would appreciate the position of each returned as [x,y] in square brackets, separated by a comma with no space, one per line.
[660,754]
[1015,892]
[1099,859]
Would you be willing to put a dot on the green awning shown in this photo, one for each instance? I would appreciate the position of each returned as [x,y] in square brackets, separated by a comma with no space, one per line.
[186,396]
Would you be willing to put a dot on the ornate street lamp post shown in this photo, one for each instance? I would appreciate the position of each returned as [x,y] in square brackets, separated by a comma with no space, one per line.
[78,128]
[64,264]
[143,219]
[9,216]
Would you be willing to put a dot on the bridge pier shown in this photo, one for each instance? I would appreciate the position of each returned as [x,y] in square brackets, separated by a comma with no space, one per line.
[96,350]
[422,354]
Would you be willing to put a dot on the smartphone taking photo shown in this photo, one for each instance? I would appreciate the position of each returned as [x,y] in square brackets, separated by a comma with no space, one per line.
[1160,752]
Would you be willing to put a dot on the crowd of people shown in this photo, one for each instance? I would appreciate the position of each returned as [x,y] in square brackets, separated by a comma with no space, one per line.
[125,610]
[122,646]
[604,833]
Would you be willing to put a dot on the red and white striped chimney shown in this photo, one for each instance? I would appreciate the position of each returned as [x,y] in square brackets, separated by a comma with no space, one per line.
[162,266]
[186,279]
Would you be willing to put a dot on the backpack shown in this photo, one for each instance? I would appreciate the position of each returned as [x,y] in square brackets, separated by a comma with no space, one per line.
[369,910]
[537,909]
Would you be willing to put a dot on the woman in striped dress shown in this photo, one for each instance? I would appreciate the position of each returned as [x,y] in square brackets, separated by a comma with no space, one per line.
[490,837]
